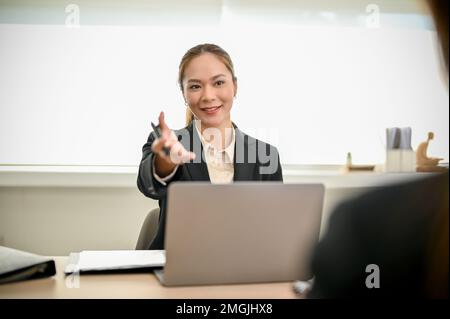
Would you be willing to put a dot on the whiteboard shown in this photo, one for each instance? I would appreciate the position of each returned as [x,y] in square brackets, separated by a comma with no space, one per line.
[86,96]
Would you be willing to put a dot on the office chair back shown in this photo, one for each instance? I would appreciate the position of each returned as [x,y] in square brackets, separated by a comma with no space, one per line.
[148,230]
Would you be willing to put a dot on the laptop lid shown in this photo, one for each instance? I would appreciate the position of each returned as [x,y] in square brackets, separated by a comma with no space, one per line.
[240,233]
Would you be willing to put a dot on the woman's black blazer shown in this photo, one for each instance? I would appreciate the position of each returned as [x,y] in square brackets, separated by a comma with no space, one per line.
[254,160]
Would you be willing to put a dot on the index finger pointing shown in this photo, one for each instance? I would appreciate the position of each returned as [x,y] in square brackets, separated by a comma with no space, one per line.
[162,123]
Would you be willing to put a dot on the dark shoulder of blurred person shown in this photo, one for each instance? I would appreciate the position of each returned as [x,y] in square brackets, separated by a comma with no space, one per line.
[398,233]
[402,229]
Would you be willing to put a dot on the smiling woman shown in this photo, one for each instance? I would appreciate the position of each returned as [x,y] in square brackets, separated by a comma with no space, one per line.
[225,154]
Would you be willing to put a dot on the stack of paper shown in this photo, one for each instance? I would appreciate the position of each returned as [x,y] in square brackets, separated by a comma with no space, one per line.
[107,260]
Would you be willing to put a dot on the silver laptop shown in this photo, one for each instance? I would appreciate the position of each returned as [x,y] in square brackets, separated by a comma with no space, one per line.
[247,232]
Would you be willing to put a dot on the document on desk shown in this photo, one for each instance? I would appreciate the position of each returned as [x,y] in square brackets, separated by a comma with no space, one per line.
[115,260]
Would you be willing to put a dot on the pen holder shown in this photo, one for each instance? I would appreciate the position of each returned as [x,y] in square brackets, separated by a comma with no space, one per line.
[400,161]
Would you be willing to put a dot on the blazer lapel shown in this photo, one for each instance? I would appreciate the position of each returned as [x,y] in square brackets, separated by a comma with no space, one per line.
[244,157]
[197,170]
[243,170]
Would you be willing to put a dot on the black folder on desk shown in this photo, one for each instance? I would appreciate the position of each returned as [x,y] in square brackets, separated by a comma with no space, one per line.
[18,265]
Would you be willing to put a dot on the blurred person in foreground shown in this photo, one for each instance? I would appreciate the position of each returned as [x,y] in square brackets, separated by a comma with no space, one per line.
[393,241]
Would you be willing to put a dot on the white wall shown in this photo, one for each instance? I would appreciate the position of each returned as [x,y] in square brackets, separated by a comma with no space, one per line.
[52,219]
[60,220]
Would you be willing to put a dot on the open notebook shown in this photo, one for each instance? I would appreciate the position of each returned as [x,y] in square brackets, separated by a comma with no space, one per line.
[115,260]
